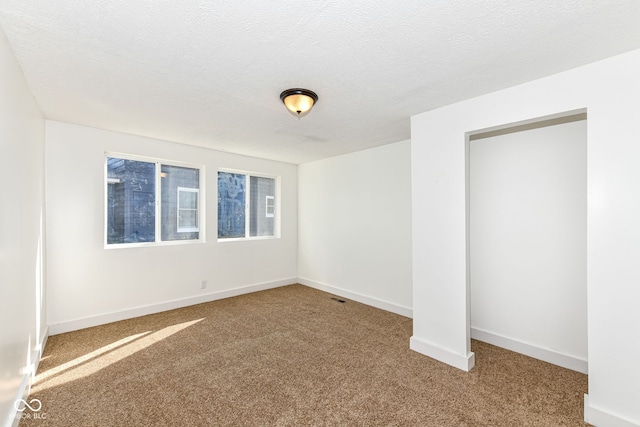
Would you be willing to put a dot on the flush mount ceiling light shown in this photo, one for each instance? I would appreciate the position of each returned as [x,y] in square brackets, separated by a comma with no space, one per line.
[299,101]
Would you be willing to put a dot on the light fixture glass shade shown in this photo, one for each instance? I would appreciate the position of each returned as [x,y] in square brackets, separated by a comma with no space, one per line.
[299,101]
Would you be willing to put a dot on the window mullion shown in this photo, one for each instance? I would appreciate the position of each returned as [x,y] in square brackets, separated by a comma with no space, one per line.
[178,208]
[158,196]
[247,207]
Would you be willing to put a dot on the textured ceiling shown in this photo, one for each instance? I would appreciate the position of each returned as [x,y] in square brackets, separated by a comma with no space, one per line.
[209,73]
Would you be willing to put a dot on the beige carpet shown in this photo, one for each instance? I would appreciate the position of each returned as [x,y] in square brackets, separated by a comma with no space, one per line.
[290,356]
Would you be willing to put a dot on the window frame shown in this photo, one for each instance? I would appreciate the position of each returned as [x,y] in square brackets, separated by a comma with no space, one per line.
[158,162]
[247,206]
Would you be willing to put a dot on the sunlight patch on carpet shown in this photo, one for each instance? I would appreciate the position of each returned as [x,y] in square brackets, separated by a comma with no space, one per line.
[101,358]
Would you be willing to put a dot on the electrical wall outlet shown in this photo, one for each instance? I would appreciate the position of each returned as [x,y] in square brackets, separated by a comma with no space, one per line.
[203,284]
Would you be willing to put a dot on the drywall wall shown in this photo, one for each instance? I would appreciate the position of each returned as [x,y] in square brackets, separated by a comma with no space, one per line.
[609,91]
[22,322]
[88,284]
[528,242]
[355,226]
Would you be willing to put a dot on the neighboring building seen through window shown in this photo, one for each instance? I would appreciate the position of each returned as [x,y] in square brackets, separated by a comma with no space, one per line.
[131,201]
[261,219]
[231,205]
[133,214]
[180,192]
[246,210]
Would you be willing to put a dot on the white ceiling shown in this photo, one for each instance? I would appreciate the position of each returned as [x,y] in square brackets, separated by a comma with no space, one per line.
[209,73]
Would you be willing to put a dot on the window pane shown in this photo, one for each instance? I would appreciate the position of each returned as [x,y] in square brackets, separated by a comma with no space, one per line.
[179,187]
[262,218]
[231,205]
[130,201]
[187,199]
[187,219]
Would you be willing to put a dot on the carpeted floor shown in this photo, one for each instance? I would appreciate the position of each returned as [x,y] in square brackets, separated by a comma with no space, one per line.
[290,356]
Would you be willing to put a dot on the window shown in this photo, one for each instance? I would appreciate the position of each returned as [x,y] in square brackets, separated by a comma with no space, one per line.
[246,210]
[180,189]
[150,201]
[131,200]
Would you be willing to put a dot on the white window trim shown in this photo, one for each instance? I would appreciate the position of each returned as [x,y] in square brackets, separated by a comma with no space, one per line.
[158,202]
[247,206]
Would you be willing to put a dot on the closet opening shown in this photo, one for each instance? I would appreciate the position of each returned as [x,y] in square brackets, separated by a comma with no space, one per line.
[526,190]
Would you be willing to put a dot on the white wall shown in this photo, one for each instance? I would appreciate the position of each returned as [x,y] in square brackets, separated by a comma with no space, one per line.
[22,327]
[609,90]
[528,242]
[355,226]
[88,284]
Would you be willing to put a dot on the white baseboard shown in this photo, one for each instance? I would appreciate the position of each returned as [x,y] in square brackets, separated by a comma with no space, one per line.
[364,299]
[40,349]
[22,395]
[547,355]
[463,362]
[24,389]
[601,418]
[101,319]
